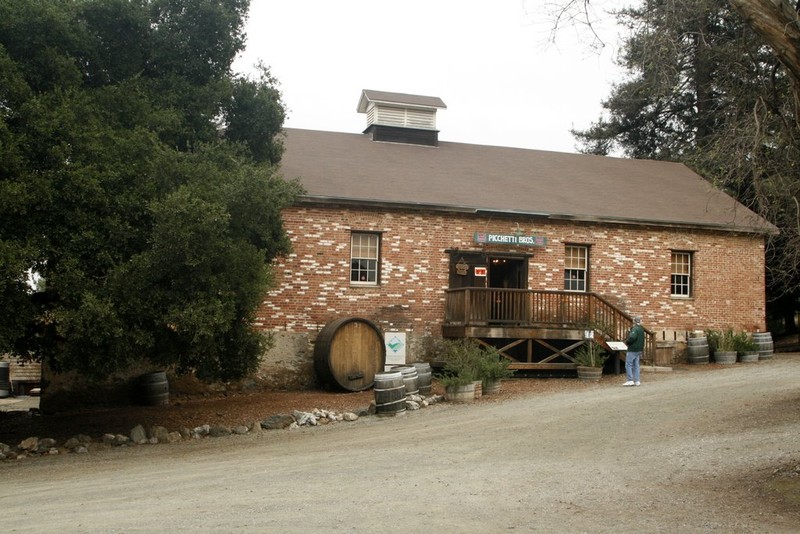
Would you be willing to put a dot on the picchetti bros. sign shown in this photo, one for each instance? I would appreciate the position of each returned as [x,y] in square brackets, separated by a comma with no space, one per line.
[510,239]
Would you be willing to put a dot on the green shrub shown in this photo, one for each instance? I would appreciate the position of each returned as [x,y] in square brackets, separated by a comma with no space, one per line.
[461,358]
[494,366]
[454,380]
[591,354]
[466,361]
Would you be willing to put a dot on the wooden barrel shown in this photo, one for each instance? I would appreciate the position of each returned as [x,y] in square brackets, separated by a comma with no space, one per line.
[726,357]
[348,352]
[424,377]
[5,380]
[491,387]
[154,389]
[390,393]
[749,357]
[698,349]
[590,374]
[465,393]
[410,378]
[764,343]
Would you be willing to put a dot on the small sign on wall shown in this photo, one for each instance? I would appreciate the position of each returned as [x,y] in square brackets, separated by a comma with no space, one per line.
[395,348]
[480,271]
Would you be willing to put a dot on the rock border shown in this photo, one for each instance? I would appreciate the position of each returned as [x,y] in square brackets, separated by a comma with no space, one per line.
[138,436]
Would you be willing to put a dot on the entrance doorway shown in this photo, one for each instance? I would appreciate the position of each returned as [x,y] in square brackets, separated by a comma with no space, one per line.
[508,273]
[477,269]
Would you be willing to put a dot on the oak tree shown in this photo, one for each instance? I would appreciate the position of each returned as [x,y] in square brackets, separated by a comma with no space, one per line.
[139,201]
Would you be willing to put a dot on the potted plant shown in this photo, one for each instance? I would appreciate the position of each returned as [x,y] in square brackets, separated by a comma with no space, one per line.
[466,361]
[725,347]
[492,370]
[713,337]
[590,358]
[461,369]
[746,347]
[458,388]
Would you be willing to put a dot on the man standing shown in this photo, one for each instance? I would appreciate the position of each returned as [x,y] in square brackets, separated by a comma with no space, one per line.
[633,357]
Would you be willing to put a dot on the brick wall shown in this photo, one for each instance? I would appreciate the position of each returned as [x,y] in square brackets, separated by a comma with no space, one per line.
[629,265]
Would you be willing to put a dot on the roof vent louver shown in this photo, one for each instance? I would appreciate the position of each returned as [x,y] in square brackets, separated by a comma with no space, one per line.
[401,118]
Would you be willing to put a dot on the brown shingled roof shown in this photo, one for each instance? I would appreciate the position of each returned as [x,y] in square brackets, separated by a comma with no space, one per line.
[476,178]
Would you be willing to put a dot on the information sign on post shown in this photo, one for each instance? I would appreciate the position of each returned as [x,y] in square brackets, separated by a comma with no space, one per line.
[619,347]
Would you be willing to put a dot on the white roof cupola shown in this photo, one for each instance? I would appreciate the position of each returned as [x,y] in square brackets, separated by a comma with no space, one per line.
[401,118]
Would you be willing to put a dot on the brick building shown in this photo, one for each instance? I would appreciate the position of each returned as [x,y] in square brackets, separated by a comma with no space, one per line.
[518,248]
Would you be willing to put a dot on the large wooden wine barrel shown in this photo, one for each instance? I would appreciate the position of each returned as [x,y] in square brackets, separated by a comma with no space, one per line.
[348,352]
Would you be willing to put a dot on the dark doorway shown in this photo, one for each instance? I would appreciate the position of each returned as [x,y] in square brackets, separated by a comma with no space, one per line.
[508,273]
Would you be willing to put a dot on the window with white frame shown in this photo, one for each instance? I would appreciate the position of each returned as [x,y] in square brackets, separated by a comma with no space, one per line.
[576,266]
[681,274]
[364,258]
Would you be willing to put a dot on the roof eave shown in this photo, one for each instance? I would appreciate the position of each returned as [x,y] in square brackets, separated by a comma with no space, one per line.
[667,224]
[360,202]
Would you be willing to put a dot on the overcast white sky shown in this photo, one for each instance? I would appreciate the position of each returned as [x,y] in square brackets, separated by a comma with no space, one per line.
[489,61]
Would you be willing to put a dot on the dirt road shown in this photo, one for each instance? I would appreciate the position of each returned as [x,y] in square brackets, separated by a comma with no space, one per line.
[685,452]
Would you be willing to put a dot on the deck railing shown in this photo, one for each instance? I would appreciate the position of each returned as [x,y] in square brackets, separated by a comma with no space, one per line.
[478,306]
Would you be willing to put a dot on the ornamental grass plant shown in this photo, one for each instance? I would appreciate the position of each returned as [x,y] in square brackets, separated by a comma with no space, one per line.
[744,343]
[591,354]
[722,340]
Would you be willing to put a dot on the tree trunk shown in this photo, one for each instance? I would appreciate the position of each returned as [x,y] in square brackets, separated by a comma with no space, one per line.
[778,24]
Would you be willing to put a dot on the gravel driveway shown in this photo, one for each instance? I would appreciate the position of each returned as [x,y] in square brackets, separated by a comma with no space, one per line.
[685,452]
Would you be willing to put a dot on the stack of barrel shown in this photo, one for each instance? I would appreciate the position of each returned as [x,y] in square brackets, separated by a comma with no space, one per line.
[698,348]
[401,382]
[764,343]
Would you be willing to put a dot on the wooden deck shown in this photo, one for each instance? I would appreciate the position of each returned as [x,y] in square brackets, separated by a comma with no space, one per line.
[536,330]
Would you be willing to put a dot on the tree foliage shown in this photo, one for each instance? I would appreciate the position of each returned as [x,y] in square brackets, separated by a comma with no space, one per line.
[136,181]
[704,88]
